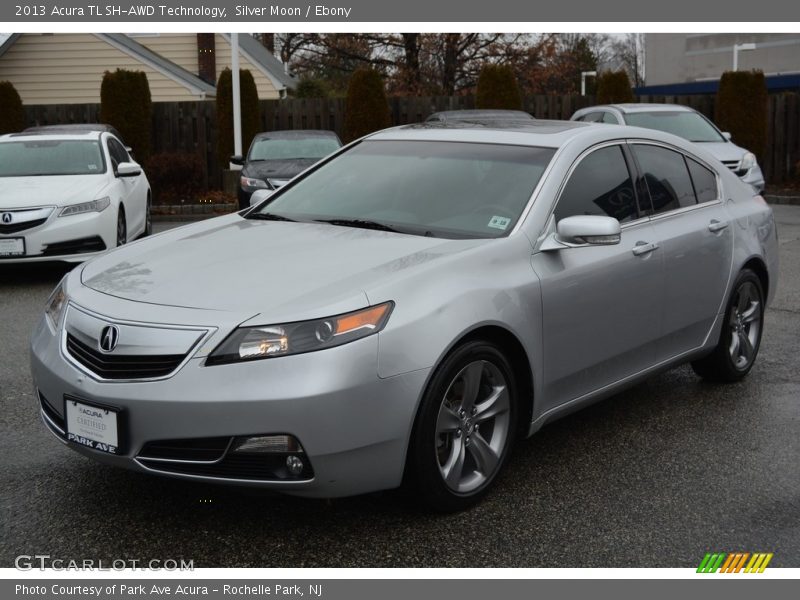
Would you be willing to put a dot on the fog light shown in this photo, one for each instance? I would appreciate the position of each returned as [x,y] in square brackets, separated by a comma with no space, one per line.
[266,444]
[294,465]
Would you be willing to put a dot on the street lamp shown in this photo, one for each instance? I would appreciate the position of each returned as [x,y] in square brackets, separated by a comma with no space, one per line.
[584,75]
[237,104]
[740,48]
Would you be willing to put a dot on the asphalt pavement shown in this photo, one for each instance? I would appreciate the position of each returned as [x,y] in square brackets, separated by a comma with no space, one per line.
[656,476]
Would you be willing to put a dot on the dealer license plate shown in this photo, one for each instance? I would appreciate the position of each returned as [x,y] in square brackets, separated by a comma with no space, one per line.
[12,246]
[92,426]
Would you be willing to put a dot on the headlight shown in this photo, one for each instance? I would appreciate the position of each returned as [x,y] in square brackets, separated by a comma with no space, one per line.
[98,205]
[252,343]
[56,304]
[748,162]
[250,183]
[276,183]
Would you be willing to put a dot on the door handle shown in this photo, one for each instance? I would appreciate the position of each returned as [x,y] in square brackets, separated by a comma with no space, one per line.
[716,226]
[643,248]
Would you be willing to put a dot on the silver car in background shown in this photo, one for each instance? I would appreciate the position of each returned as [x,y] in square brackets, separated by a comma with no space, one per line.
[406,309]
[686,123]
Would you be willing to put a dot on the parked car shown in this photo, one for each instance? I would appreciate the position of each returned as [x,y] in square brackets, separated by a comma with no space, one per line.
[406,309]
[277,156]
[479,116]
[68,194]
[686,123]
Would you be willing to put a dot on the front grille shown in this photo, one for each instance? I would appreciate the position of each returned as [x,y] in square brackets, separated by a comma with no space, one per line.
[200,449]
[51,412]
[15,227]
[122,366]
[80,246]
[255,467]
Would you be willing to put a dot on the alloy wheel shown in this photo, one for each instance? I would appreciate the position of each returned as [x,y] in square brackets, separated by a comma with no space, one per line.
[122,229]
[745,325]
[473,426]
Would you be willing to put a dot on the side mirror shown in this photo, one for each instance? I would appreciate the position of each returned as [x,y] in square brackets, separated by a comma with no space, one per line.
[727,135]
[237,159]
[128,169]
[259,196]
[584,230]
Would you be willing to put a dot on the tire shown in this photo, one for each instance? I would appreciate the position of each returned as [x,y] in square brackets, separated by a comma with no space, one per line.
[464,429]
[122,227]
[740,339]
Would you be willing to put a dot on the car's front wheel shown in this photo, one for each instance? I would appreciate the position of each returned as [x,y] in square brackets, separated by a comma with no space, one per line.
[464,428]
[122,227]
[740,339]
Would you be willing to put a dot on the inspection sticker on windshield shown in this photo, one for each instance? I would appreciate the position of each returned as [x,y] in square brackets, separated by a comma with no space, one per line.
[499,222]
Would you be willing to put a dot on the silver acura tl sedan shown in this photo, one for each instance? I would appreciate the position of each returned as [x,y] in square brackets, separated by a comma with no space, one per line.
[405,310]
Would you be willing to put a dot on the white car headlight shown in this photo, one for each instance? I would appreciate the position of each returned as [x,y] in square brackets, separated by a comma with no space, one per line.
[252,343]
[251,183]
[748,162]
[98,205]
[55,305]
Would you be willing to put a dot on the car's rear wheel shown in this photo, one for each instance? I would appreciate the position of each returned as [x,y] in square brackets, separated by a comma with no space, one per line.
[465,427]
[122,227]
[740,339]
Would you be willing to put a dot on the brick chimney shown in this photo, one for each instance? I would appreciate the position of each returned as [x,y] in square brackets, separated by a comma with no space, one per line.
[206,58]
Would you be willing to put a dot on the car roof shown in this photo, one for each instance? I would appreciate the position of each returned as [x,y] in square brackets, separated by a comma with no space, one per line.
[47,135]
[74,128]
[296,134]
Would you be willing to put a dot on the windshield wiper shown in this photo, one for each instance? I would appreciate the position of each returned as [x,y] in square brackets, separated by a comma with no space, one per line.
[270,217]
[361,223]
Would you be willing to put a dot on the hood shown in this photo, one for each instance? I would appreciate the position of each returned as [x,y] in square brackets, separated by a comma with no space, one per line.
[288,271]
[277,169]
[723,151]
[49,190]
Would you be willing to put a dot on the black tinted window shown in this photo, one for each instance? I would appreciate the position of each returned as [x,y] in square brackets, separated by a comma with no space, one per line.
[666,177]
[705,182]
[117,151]
[600,185]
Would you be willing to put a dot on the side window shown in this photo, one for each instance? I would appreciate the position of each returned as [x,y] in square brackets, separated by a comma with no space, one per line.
[593,117]
[666,177]
[609,118]
[705,182]
[600,185]
[117,152]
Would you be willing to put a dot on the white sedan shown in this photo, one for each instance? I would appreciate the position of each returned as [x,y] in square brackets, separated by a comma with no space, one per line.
[68,196]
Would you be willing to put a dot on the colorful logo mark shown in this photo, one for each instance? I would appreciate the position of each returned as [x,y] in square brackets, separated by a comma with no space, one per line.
[720,562]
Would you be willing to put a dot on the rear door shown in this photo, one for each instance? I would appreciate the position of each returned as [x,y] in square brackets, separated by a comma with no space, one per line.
[695,236]
[601,304]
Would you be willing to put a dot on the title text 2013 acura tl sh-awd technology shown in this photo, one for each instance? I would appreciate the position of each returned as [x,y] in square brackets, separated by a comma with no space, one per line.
[407,308]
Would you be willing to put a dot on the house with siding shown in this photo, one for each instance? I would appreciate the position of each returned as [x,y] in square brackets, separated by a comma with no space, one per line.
[68,68]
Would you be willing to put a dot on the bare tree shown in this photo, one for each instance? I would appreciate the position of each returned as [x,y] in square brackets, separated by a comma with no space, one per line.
[629,53]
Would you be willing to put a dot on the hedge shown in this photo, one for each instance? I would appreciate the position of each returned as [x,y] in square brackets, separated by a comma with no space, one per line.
[125,103]
[366,108]
[614,87]
[251,119]
[741,109]
[12,117]
[498,88]
[175,176]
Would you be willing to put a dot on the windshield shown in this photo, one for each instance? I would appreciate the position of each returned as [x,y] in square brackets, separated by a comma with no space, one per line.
[688,125]
[442,189]
[284,149]
[50,157]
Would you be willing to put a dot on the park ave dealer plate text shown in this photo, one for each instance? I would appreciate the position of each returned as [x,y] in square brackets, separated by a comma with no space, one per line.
[12,246]
[92,426]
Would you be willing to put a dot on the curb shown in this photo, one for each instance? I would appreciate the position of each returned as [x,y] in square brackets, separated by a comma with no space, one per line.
[790,200]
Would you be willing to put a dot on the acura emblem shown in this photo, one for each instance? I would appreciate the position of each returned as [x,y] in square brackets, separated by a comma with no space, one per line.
[7,217]
[109,338]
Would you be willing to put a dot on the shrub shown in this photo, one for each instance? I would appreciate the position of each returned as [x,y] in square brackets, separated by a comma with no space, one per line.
[125,103]
[614,87]
[498,88]
[12,117]
[251,116]
[311,88]
[175,176]
[366,108]
[741,109]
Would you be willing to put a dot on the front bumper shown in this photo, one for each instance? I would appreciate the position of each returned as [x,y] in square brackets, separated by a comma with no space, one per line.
[353,425]
[42,242]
